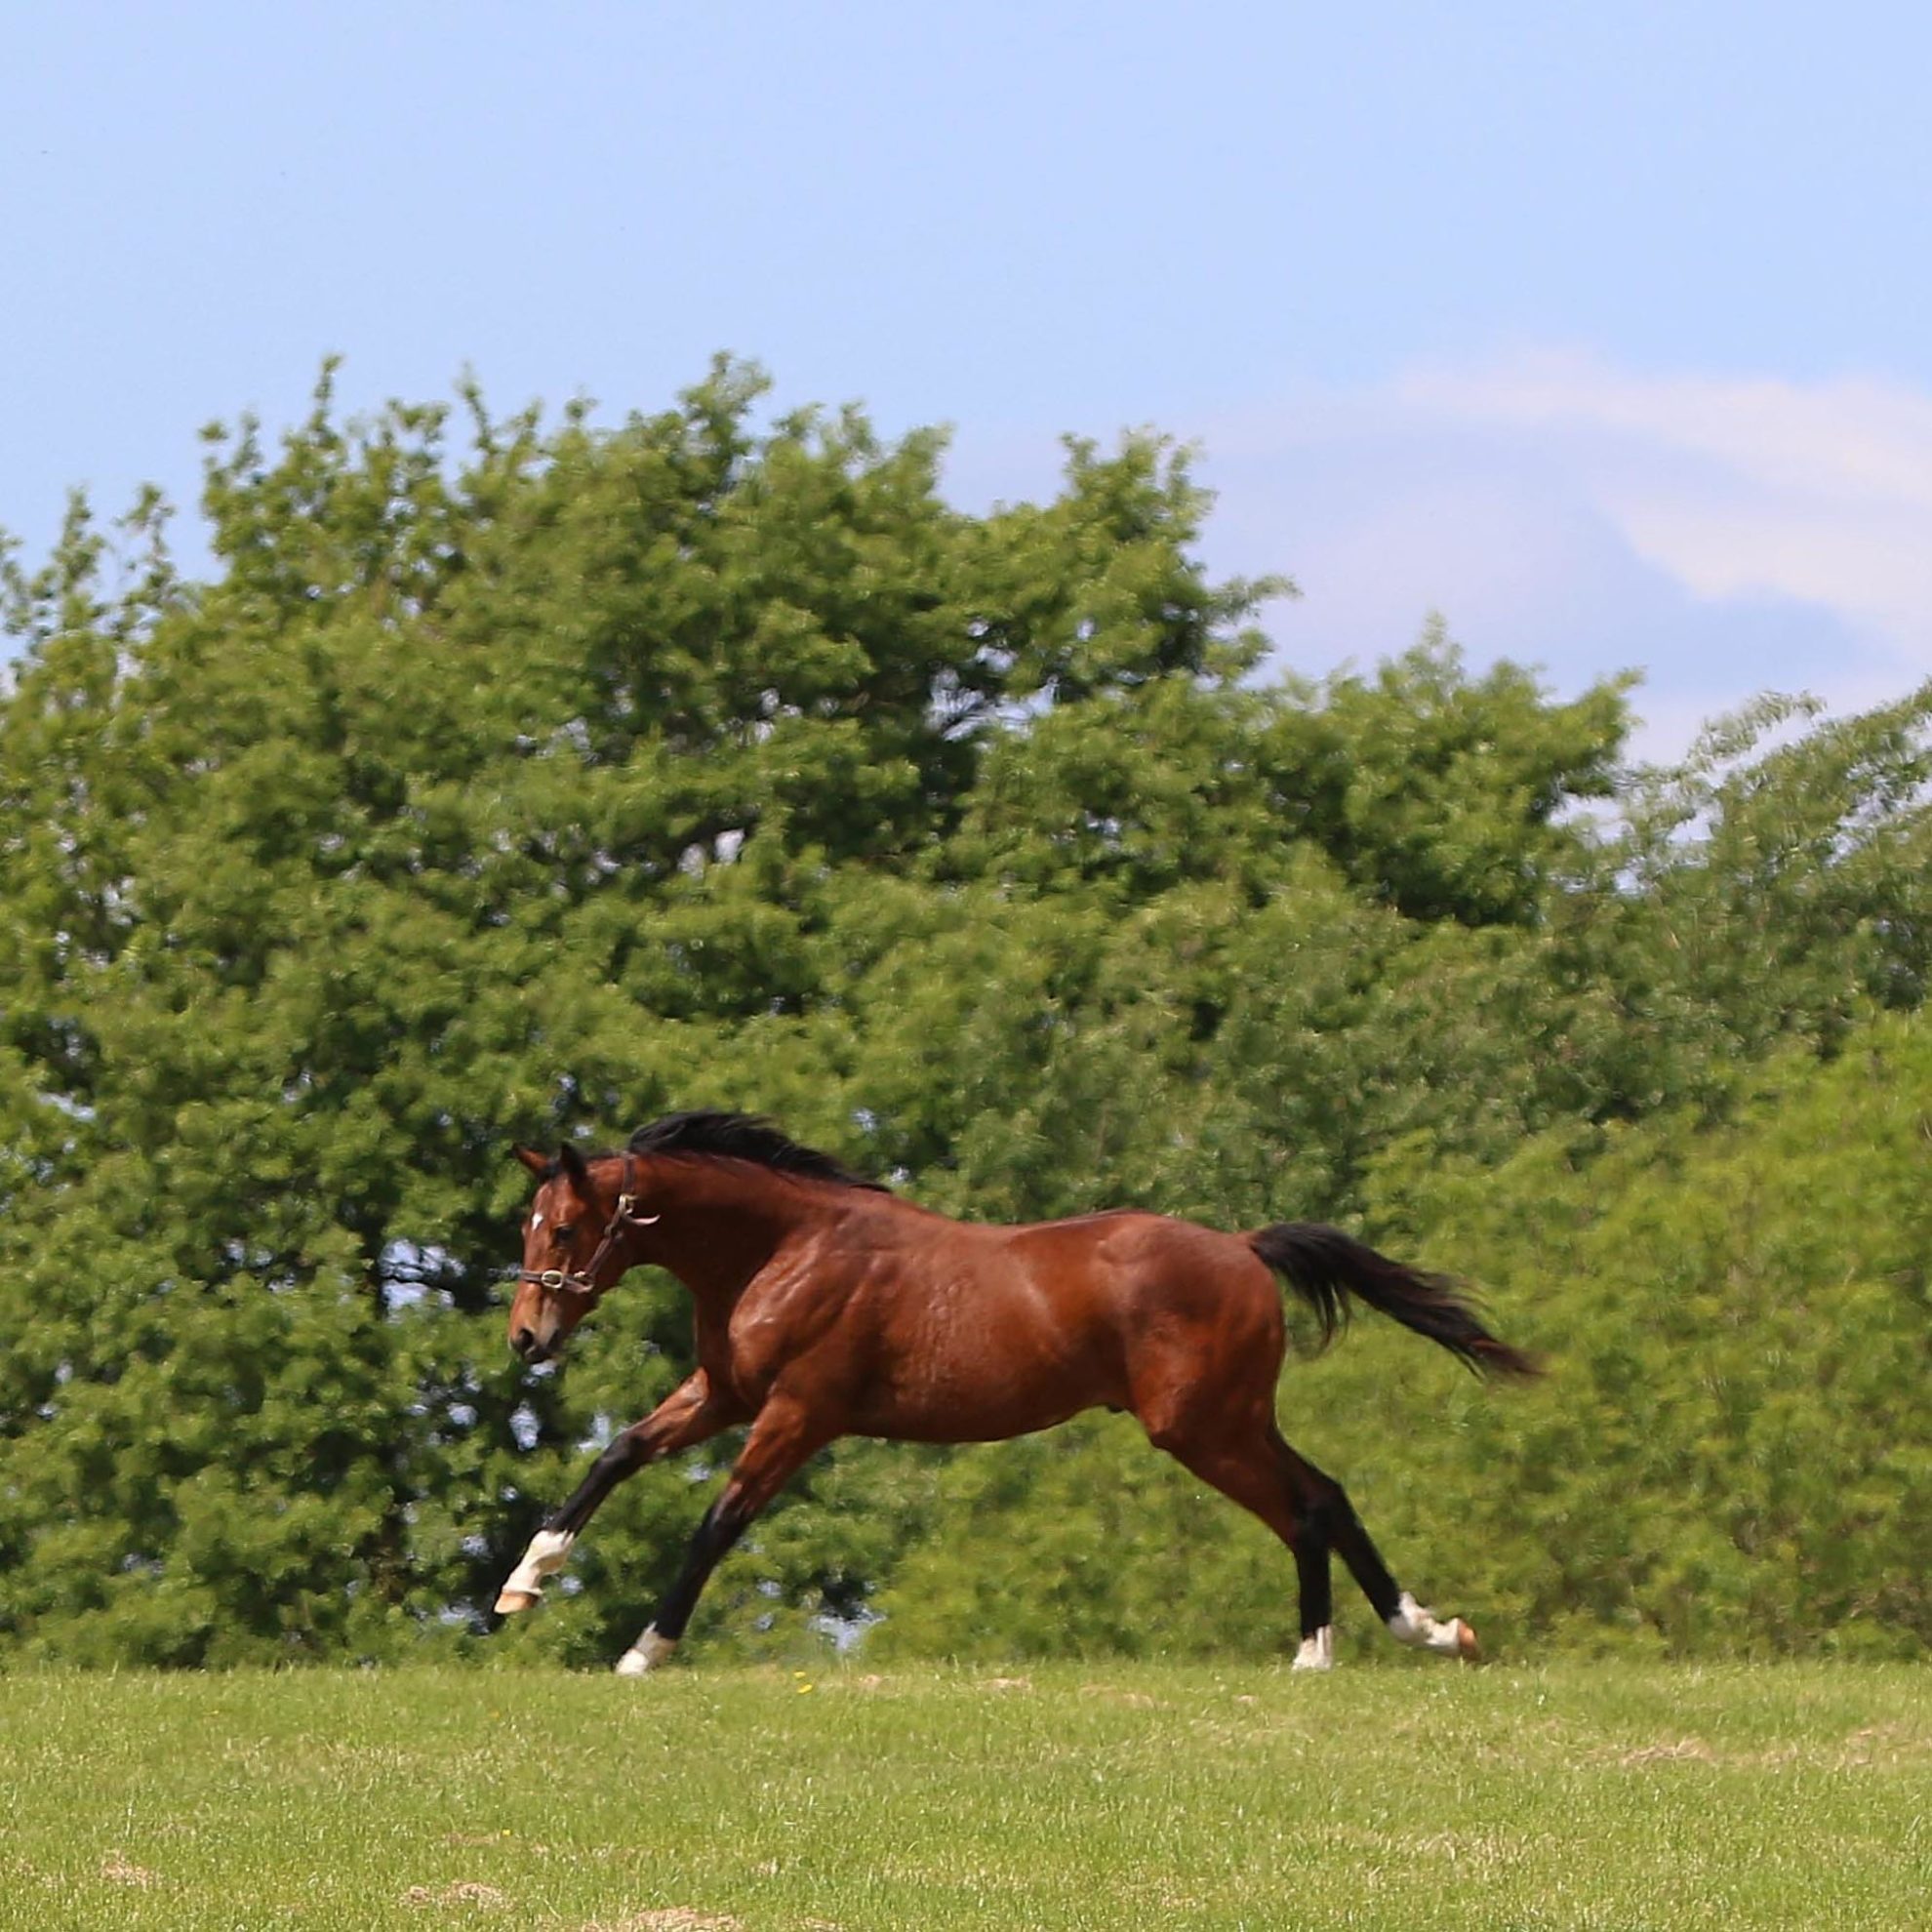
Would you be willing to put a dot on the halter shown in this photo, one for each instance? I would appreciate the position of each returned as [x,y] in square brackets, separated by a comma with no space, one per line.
[625,1216]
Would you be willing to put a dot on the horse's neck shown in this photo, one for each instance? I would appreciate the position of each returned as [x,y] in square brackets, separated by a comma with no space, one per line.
[722,1221]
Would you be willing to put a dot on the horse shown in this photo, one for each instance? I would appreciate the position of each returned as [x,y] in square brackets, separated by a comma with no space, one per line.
[827,1305]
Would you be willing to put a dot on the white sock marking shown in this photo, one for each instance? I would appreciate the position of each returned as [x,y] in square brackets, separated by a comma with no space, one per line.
[645,1655]
[1423,1630]
[1318,1652]
[544,1557]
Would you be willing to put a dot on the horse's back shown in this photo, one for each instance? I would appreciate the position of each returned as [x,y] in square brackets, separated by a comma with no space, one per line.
[1128,1268]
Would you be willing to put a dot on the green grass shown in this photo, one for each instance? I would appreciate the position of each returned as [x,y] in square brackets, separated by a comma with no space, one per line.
[1132,1796]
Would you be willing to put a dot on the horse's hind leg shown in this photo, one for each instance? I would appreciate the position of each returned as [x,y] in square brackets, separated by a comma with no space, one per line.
[1244,1466]
[1310,1514]
[1327,1503]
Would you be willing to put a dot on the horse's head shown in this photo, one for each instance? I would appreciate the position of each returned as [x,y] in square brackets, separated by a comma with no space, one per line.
[571,1246]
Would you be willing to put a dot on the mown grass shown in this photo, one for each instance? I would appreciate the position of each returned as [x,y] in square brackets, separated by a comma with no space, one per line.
[1126,1795]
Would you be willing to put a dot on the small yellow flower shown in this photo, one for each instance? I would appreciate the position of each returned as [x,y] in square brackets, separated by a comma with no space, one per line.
[803,1688]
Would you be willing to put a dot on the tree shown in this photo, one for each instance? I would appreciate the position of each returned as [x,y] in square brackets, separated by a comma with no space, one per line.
[508,780]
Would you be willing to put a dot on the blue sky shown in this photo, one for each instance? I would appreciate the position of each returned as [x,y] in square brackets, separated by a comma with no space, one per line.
[1604,335]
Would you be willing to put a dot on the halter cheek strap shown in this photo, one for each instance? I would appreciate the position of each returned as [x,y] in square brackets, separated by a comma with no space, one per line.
[623,1217]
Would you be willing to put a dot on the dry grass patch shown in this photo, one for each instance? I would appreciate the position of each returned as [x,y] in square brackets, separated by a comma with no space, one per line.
[117,1871]
[668,1918]
[459,1892]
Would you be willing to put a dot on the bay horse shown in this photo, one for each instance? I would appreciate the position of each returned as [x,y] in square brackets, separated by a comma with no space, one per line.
[827,1305]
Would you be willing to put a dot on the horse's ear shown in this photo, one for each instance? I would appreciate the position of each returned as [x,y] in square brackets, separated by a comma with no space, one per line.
[571,1161]
[538,1164]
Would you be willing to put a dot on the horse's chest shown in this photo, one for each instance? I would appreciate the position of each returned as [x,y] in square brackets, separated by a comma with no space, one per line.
[754,1355]
[814,1322]
[750,1350]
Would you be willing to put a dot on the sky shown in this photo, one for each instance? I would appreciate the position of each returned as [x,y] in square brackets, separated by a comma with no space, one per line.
[1603,332]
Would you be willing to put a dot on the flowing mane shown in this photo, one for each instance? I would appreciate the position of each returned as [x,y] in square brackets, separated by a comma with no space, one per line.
[745,1137]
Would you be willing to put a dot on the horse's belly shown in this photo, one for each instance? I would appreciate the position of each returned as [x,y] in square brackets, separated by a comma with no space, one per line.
[985,1389]
[903,1422]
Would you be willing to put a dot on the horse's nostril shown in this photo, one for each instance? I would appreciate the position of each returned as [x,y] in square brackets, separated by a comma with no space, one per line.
[524,1341]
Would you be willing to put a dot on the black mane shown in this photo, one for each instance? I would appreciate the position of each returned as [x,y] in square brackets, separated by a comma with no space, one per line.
[743,1137]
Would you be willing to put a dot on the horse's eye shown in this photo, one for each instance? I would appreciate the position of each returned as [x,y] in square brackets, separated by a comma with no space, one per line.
[564,1230]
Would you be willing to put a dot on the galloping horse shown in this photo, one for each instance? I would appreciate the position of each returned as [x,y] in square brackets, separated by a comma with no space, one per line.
[826,1305]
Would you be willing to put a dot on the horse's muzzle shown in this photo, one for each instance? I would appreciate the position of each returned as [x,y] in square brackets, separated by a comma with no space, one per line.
[528,1347]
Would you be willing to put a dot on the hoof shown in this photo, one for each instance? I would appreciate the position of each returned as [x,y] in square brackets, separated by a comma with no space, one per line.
[1466,1647]
[511,1601]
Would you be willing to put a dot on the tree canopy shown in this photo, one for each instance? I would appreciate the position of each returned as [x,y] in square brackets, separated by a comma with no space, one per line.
[525,778]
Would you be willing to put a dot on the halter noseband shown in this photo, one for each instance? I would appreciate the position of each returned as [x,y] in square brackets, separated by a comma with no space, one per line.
[625,1216]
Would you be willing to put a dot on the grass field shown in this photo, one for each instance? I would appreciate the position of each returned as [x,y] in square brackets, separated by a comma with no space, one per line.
[1108,1796]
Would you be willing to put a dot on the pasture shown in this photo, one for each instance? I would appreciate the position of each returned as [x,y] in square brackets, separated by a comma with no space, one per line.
[1110,1794]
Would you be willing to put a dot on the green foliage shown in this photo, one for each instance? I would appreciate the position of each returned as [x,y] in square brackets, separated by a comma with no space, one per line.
[1729,1453]
[513,779]
[1733,1452]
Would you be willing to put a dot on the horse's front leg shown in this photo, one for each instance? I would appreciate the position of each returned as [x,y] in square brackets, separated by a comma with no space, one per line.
[688,1414]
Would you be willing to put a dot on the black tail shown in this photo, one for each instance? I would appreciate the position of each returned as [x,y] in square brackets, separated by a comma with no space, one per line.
[1325,1266]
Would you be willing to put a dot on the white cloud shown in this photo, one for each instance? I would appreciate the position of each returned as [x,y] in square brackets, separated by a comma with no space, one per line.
[1820,493]
[1721,537]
